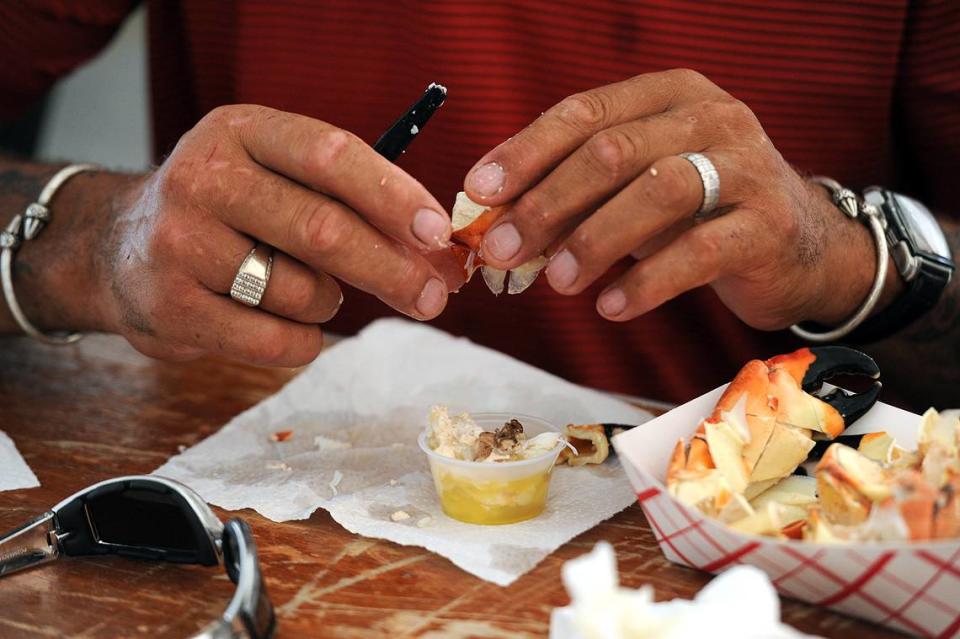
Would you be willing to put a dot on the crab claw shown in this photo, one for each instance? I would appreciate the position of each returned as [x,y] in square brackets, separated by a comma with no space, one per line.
[811,367]
[830,361]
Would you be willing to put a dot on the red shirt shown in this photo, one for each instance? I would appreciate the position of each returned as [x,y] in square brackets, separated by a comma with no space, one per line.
[838,85]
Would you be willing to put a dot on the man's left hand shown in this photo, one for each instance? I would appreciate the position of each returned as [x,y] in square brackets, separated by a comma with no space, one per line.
[598,177]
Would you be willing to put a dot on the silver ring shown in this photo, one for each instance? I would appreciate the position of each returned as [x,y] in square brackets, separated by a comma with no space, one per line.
[253,275]
[710,179]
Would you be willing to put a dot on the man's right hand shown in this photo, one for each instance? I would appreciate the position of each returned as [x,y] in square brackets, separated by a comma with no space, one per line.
[171,243]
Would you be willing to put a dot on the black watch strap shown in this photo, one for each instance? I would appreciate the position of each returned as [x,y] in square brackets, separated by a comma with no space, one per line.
[919,296]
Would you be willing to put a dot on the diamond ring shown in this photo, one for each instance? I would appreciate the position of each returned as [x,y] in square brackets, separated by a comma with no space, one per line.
[252,276]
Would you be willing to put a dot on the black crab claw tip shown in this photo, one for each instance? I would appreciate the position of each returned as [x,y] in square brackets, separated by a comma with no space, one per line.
[820,447]
[831,361]
[853,406]
[610,430]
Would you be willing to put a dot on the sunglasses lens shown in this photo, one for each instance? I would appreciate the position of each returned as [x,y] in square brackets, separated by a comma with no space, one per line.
[142,518]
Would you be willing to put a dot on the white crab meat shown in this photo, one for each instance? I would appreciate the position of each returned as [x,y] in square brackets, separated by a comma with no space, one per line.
[726,448]
[524,275]
[494,278]
[465,211]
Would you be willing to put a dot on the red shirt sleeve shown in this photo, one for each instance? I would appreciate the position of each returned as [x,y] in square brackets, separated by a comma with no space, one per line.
[42,40]
[927,103]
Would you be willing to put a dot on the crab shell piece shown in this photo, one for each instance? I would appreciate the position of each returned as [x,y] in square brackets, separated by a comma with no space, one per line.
[768,521]
[590,442]
[883,448]
[861,473]
[470,222]
[938,444]
[946,521]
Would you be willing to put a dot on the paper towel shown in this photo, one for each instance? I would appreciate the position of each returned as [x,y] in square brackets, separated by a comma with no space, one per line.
[14,472]
[355,414]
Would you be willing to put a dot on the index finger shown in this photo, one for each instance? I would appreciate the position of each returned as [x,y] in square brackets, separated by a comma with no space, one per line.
[339,164]
[512,168]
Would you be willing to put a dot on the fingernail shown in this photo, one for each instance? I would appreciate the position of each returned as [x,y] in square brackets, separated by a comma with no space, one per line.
[431,228]
[432,298]
[502,243]
[613,302]
[563,269]
[487,180]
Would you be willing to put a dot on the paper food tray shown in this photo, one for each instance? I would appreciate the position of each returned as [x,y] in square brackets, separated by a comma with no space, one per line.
[913,587]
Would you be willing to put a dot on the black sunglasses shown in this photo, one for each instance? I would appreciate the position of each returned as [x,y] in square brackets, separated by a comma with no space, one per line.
[151,517]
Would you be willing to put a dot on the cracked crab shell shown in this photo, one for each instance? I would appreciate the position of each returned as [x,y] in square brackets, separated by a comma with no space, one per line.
[786,449]
[753,384]
[853,469]
[726,450]
[797,408]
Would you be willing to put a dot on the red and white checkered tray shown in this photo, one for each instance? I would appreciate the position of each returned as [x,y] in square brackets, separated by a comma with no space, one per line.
[913,587]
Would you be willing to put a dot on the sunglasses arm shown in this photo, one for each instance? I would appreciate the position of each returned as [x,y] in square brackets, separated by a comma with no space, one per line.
[34,543]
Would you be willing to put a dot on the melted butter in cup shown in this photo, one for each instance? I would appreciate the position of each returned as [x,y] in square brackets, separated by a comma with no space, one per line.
[494,492]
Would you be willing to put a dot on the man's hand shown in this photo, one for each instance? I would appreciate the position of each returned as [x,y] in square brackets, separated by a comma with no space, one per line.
[597,178]
[170,245]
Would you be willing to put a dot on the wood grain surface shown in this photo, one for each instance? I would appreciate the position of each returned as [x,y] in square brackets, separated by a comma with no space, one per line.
[97,410]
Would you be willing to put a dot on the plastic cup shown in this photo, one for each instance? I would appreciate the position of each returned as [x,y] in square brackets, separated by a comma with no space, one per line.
[494,492]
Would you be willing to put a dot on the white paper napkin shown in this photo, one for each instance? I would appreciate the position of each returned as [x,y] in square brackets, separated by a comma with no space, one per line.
[740,603]
[14,472]
[355,414]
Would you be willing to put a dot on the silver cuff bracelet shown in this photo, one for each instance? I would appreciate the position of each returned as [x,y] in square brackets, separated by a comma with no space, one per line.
[27,226]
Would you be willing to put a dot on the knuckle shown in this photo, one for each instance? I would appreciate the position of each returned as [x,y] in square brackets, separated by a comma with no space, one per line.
[585,111]
[705,244]
[585,244]
[301,299]
[327,151]
[178,179]
[217,116]
[228,116]
[533,210]
[613,151]
[271,346]
[686,77]
[408,279]
[320,228]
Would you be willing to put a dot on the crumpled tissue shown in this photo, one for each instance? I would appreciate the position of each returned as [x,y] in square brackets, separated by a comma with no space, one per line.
[354,416]
[14,472]
[741,603]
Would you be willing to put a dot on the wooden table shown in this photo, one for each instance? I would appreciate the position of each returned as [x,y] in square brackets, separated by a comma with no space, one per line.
[83,414]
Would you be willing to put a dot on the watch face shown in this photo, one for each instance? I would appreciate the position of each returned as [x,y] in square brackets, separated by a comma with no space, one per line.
[922,227]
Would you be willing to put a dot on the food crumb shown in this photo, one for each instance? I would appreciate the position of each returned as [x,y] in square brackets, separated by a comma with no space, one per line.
[400,515]
[281,435]
[337,478]
[328,443]
[277,465]
[383,180]
[397,445]
[181,448]
[414,130]
[424,522]
[393,482]
[653,171]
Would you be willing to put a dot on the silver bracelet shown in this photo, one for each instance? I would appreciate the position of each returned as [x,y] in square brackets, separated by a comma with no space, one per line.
[27,226]
[846,201]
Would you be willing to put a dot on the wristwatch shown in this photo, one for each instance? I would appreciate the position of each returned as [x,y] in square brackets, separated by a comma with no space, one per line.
[921,254]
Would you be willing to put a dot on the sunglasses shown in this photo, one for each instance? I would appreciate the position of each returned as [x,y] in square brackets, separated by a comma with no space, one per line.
[150,517]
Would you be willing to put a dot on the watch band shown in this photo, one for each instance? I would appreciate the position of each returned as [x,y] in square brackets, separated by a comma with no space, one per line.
[925,271]
[918,297]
